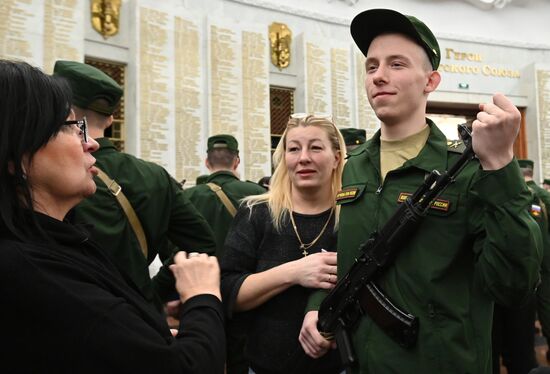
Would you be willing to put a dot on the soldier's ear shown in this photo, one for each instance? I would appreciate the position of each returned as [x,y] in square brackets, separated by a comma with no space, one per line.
[434,78]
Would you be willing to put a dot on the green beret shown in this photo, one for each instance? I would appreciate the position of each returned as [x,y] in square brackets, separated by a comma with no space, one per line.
[92,88]
[526,164]
[201,179]
[369,24]
[546,181]
[223,141]
[353,136]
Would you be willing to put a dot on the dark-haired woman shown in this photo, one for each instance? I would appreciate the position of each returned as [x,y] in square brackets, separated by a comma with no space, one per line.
[65,307]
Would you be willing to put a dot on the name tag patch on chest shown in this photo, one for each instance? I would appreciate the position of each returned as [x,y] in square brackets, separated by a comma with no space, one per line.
[347,194]
[438,204]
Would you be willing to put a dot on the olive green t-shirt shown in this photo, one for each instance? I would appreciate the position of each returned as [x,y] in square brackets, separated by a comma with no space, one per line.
[394,153]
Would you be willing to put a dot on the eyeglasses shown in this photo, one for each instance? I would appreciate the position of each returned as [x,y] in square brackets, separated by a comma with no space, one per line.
[82,125]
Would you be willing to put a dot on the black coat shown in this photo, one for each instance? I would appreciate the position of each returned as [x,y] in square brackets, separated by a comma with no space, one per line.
[66,308]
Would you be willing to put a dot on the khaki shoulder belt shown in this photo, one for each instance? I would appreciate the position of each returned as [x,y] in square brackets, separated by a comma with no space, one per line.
[223,197]
[116,190]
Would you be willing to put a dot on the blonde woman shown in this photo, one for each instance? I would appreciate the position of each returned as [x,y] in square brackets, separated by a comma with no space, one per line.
[282,245]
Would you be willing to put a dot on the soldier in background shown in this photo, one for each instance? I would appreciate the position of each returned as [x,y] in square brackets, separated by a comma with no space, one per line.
[514,327]
[527,167]
[543,291]
[221,191]
[546,184]
[155,209]
[353,137]
[217,199]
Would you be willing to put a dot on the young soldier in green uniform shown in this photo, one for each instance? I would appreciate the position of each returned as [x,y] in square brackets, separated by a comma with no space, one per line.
[156,198]
[477,243]
[353,137]
[527,167]
[222,161]
[513,328]
[542,198]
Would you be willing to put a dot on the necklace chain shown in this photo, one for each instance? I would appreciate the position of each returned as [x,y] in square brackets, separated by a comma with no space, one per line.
[306,246]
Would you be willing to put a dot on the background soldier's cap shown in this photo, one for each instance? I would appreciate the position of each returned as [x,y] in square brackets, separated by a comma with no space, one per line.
[353,136]
[92,88]
[546,181]
[526,164]
[369,24]
[223,141]
[201,179]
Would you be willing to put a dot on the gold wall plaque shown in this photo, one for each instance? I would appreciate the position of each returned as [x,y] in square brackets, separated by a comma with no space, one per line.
[280,37]
[105,16]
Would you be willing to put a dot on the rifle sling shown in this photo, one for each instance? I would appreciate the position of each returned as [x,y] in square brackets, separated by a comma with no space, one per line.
[223,197]
[116,190]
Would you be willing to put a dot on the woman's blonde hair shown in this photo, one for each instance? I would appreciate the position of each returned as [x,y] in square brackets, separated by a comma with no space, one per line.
[278,196]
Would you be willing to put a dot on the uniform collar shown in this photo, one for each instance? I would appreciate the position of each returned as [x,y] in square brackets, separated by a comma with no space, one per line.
[221,176]
[433,156]
[105,144]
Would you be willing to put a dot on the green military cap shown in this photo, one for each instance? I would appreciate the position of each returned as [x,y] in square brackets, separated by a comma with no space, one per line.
[223,141]
[526,164]
[546,181]
[369,24]
[92,88]
[201,179]
[353,136]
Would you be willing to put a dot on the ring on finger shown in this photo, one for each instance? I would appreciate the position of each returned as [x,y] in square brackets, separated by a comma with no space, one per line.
[193,254]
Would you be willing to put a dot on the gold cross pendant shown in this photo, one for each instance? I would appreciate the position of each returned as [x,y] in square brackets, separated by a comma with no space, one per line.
[304,252]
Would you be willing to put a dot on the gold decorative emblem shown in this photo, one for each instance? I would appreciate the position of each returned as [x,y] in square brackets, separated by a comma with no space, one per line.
[105,16]
[453,143]
[280,37]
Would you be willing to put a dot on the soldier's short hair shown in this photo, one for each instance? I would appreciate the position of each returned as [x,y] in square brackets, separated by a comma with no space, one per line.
[221,157]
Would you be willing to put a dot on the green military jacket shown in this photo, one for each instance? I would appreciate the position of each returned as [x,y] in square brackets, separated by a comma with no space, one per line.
[162,208]
[541,197]
[540,192]
[207,202]
[476,245]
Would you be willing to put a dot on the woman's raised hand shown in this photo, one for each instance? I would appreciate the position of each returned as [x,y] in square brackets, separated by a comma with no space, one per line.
[196,274]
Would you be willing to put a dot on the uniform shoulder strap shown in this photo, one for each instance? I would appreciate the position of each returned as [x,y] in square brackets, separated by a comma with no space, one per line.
[129,211]
[223,197]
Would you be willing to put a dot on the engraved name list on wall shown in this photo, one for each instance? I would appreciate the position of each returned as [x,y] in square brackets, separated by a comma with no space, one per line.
[255,103]
[155,103]
[188,98]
